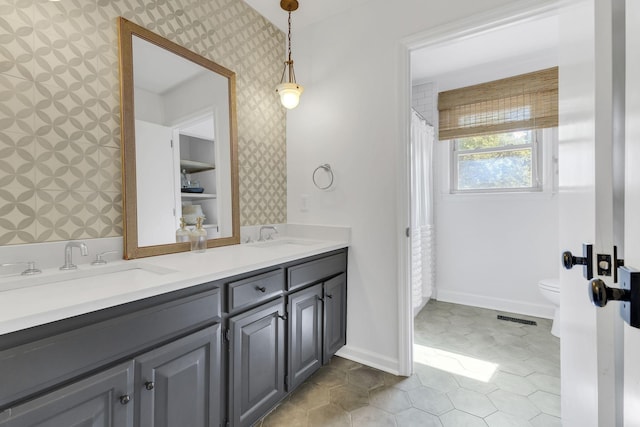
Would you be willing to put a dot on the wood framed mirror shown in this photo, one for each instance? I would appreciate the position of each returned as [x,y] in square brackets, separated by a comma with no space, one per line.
[179,144]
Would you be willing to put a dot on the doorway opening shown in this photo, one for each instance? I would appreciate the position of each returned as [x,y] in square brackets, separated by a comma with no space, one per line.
[477,237]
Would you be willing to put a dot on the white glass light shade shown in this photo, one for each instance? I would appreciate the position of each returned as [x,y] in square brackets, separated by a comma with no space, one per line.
[289,94]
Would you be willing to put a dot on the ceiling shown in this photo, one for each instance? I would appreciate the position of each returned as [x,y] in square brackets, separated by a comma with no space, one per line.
[309,11]
[514,49]
[503,52]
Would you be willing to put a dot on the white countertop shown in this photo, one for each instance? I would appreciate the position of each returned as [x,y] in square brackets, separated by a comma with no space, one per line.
[31,302]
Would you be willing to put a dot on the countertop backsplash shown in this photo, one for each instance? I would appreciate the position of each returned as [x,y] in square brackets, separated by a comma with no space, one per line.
[250,234]
[51,254]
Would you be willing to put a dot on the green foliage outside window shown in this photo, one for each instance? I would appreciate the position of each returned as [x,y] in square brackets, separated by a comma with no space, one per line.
[495,161]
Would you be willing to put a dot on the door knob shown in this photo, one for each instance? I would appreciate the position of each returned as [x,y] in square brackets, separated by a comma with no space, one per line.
[586,260]
[601,294]
[568,260]
[628,294]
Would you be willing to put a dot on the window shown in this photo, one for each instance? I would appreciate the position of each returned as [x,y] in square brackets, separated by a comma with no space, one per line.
[508,161]
[495,129]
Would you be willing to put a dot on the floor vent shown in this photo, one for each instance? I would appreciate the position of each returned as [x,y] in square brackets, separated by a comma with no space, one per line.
[515,319]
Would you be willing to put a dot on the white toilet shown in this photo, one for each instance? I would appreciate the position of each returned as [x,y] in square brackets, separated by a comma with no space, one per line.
[550,289]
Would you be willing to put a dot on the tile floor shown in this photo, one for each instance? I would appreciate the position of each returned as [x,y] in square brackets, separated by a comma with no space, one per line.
[490,373]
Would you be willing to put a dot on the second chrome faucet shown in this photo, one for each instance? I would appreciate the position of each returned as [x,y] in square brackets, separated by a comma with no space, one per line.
[269,236]
[68,249]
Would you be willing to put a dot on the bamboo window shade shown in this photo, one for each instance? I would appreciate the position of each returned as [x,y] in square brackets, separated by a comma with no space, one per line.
[523,102]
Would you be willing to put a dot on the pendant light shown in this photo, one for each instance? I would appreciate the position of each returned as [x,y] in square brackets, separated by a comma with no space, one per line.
[289,91]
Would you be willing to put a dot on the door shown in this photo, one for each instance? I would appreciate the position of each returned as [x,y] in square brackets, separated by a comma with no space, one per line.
[632,206]
[179,384]
[256,362]
[155,184]
[102,400]
[591,192]
[305,334]
[335,316]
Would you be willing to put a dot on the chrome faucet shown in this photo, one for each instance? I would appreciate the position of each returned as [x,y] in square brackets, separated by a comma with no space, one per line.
[99,258]
[30,270]
[68,263]
[269,236]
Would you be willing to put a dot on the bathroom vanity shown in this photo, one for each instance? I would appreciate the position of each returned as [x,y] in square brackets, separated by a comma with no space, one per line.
[192,352]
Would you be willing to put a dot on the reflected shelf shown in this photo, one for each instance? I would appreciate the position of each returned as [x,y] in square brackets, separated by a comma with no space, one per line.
[197,196]
[190,166]
[205,226]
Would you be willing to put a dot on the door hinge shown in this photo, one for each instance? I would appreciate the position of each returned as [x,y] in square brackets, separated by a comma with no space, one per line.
[226,335]
[407,232]
[286,382]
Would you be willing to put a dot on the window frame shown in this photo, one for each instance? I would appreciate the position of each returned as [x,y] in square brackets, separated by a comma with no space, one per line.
[537,172]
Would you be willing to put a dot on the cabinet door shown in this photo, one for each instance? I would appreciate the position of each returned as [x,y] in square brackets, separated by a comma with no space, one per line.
[335,315]
[179,384]
[256,362]
[305,334]
[101,400]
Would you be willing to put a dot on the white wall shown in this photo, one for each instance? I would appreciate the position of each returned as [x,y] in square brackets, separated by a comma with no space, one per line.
[492,249]
[424,98]
[148,106]
[348,117]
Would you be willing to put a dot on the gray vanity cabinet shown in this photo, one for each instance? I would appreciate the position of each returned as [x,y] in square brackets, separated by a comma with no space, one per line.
[171,340]
[335,316]
[305,334]
[179,384]
[256,362]
[163,362]
[317,327]
[101,400]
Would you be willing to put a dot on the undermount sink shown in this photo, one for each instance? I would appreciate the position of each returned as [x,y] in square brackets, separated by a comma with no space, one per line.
[126,271]
[283,242]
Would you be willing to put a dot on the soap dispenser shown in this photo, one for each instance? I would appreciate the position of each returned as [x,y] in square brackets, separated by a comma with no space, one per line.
[198,237]
[182,234]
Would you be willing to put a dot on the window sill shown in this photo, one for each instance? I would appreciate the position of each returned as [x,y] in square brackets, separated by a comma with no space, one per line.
[506,195]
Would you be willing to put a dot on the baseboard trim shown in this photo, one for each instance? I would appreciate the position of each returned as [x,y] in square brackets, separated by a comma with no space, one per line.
[518,307]
[372,360]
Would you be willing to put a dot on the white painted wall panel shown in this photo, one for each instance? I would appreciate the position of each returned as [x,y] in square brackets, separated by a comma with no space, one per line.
[348,117]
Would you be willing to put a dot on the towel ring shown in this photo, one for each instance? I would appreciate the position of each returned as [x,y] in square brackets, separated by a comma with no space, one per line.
[327,168]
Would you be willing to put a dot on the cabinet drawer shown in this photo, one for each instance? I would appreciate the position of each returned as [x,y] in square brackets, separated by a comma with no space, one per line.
[317,270]
[252,290]
[67,355]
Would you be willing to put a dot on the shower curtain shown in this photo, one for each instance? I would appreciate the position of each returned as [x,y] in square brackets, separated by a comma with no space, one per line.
[422,233]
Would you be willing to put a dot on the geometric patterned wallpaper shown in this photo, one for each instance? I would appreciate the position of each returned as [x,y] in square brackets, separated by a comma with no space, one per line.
[59,109]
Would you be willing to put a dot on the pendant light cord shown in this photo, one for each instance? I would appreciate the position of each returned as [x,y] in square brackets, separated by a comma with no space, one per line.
[288,64]
[289,36]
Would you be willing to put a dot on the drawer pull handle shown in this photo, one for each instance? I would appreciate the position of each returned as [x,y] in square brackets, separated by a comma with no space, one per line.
[261,289]
[149,385]
[125,398]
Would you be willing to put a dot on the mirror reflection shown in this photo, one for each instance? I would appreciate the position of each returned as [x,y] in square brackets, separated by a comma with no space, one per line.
[181,136]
